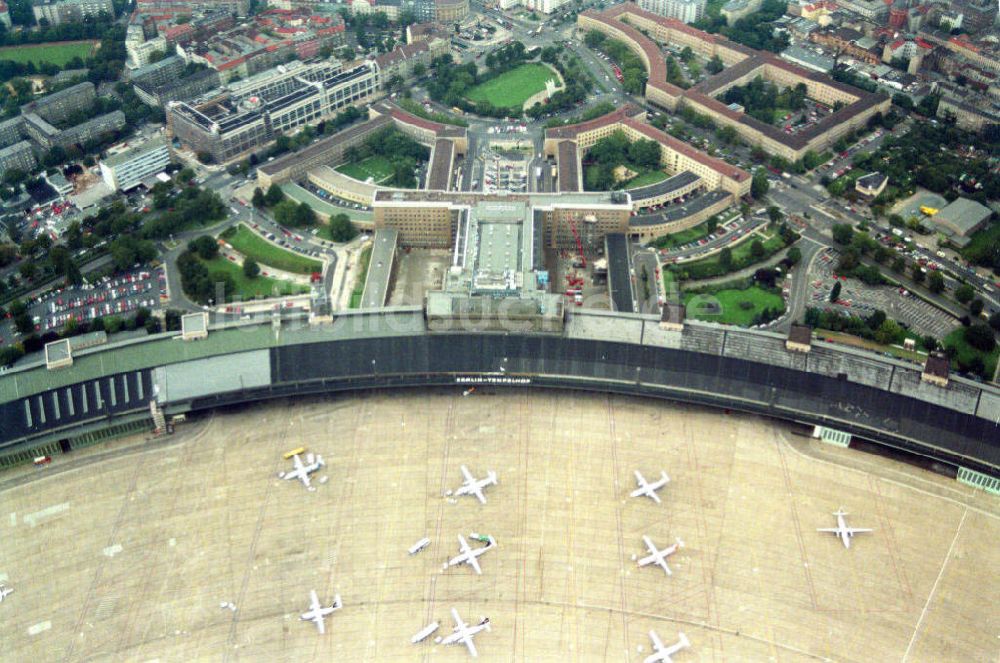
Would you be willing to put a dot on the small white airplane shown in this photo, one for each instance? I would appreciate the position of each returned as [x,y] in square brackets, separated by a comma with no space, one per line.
[661,653]
[4,591]
[302,470]
[463,633]
[317,612]
[468,554]
[649,489]
[843,532]
[473,486]
[659,557]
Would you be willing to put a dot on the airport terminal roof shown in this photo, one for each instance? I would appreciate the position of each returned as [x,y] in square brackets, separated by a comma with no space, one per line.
[380,268]
[619,274]
[569,166]
[439,175]
[657,189]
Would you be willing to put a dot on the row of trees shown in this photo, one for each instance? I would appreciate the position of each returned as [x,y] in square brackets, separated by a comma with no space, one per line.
[633,72]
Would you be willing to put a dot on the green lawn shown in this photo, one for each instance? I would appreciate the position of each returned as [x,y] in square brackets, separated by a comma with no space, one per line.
[56,53]
[645,179]
[725,305]
[376,167]
[513,88]
[258,288]
[981,243]
[965,353]
[362,275]
[252,245]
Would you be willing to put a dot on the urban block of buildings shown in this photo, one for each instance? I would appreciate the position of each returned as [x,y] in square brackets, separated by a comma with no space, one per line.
[233,121]
[71,11]
[687,11]
[743,64]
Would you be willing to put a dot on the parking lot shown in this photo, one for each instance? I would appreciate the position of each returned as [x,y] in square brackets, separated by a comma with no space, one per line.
[120,295]
[504,172]
[862,300]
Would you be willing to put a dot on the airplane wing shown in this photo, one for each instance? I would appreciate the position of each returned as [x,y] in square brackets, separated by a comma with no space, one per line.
[657,643]
[663,481]
[459,624]
[475,564]
[320,623]
[468,475]
[639,479]
[478,492]
[313,600]
[297,462]
[471,645]
[828,529]
[857,530]
[304,478]
[463,545]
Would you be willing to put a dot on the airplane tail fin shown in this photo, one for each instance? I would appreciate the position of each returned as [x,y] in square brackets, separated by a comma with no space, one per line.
[684,642]
[492,476]
[840,512]
[310,459]
[663,475]
[337,603]
[680,544]
[320,461]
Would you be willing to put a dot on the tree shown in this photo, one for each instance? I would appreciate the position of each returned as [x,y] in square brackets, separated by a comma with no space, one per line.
[835,292]
[935,283]
[250,268]
[794,255]
[964,293]
[284,212]
[889,332]
[899,265]
[715,65]
[757,249]
[259,200]
[917,273]
[205,246]
[274,195]
[976,307]
[980,337]
[842,234]
[995,321]
[726,258]
[759,186]
[341,229]
[205,157]
[775,214]
[304,215]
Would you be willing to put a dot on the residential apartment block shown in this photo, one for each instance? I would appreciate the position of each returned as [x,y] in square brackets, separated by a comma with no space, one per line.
[129,168]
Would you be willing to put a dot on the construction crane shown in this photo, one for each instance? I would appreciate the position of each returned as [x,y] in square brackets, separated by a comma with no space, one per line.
[579,244]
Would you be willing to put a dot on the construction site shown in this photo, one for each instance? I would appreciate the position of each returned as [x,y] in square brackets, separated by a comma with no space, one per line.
[190,547]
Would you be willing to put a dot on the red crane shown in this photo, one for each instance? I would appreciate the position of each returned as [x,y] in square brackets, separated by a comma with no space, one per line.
[579,244]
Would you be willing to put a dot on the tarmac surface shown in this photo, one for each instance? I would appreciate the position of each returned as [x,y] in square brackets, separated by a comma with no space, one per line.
[128,551]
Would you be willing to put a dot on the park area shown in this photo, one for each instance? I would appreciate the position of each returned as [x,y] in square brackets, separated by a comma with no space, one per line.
[733,307]
[513,88]
[58,53]
[377,167]
[252,245]
[260,287]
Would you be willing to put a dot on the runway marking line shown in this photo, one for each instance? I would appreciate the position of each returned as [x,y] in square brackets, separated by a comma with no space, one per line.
[927,604]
